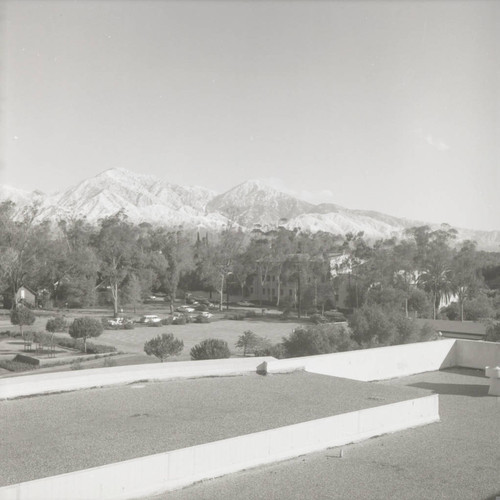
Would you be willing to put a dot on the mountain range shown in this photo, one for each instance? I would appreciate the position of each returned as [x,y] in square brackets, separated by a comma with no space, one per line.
[145,198]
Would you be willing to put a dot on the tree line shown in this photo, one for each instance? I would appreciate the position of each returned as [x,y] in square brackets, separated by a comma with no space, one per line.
[77,264]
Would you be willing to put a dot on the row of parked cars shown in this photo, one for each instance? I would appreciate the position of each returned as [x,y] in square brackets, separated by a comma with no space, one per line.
[186,312]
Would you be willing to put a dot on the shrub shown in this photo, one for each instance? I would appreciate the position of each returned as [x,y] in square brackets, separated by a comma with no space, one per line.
[99,348]
[17,366]
[179,320]
[318,319]
[57,324]
[286,314]
[128,325]
[210,349]
[167,321]
[493,333]
[201,319]
[76,365]
[250,314]
[163,346]
[248,342]
[372,326]
[235,316]
[335,316]
[84,328]
[22,316]
[275,350]
[43,338]
[321,339]
[109,362]
[68,342]
[78,344]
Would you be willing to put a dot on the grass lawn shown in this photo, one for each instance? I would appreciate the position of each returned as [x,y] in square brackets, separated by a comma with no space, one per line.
[131,342]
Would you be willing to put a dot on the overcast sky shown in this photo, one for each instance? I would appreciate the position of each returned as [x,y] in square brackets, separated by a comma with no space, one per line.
[391,106]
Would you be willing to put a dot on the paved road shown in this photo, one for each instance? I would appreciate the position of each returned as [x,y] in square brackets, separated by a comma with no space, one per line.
[457,459]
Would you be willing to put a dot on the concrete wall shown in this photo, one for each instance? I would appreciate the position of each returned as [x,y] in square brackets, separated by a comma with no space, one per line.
[167,471]
[374,364]
[28,385]
[474,354]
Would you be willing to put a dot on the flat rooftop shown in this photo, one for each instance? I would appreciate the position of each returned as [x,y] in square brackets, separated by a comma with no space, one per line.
[455,459]
[57,433]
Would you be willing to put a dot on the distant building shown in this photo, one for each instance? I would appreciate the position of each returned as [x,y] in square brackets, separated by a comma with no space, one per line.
[26,296]
[345,285]
[470,330]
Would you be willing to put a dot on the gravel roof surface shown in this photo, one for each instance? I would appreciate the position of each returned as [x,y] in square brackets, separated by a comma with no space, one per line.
[456,459]
[47,435]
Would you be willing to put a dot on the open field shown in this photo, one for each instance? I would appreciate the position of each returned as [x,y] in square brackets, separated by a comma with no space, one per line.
[131,342]
[456,459]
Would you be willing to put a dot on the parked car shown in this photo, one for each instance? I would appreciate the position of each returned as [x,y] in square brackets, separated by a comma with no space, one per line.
[116,321]
[206,302]
[244,303]
[205,314]
[150,319]
[185,309]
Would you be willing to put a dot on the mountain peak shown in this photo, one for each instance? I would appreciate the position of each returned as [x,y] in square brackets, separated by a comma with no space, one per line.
[146,198]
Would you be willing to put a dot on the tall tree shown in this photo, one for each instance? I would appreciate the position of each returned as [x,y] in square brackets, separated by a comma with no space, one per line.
[217,260]
[115,243]
[466,277]
[22,242]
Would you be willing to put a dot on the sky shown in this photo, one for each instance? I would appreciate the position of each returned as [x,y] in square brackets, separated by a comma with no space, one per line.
[391,106]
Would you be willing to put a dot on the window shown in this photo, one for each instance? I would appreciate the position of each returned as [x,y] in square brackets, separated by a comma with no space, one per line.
[268,278]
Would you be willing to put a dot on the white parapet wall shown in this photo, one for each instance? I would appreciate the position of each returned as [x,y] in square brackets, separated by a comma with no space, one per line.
[374,364]
[477,354]
[28,385]
[175,469]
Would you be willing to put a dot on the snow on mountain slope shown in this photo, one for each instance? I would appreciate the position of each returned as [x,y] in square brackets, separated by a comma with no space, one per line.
[253,202]
[141,197]
[342,223]
[145,198]
[18,196]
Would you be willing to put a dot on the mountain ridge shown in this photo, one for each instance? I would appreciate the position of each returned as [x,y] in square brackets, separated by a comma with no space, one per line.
[253,203]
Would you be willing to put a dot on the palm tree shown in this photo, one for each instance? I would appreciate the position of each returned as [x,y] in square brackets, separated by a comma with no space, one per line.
[436,279]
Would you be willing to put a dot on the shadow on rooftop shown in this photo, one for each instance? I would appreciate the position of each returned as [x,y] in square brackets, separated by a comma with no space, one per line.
[493,497]
[474,390]
[469,372]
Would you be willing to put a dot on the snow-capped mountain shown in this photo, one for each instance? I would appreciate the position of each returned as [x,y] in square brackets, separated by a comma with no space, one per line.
[253,202]
[145,198]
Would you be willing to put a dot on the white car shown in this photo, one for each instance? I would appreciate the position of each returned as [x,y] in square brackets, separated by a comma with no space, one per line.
[244,303]
[185,309]
[116,321]
[205,314]
[149,319]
